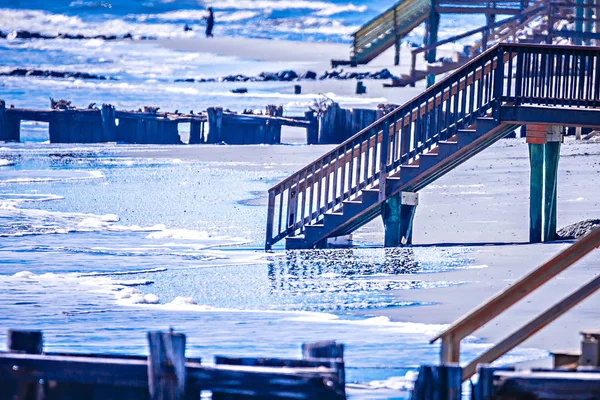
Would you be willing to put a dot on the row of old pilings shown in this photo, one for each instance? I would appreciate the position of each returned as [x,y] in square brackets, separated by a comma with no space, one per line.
[243,129]
[338,124]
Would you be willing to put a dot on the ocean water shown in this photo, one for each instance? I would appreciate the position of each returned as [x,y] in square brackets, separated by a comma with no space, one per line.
[101,243]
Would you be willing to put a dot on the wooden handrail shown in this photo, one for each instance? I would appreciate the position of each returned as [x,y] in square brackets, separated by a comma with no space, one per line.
[533,326]
[483,314]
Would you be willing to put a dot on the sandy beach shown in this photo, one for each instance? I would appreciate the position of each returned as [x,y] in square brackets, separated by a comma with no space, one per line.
[483,207]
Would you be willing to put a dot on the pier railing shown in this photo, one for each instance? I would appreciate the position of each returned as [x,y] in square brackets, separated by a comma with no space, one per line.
[451,337]
[504,75]
[26,372]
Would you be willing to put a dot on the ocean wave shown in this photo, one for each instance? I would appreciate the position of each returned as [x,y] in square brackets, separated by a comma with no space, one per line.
[6,163]
[30,176]
[202,239]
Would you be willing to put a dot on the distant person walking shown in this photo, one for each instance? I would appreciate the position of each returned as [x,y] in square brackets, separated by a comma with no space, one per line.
[210,22]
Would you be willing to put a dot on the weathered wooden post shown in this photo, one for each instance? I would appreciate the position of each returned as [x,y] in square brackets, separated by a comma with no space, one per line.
[26,342]
[398,213]
[273,135]
[312,131]
[327,350]
[195,134]
[166,365]
[438,382]
[433,25]
[10,128]
[215,125]
[109,123]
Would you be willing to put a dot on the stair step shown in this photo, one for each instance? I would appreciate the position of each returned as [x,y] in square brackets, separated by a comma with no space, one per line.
[296,242]
[466,136]
[409,172]
[427,161]
[485,124]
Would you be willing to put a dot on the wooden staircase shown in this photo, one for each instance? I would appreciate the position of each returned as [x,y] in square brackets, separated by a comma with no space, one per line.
[507,30]
[417,143]
[383,31]
[392,25]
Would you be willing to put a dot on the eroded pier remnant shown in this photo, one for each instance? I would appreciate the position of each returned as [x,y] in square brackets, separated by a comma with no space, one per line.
[544,152]
[338,124]
[68,124]
[9,127]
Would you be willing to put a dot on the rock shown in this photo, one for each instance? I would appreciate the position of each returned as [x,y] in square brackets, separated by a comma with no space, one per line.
[309,75]
[52,74]
[578,229]
[268,76]
[286,76]
[239,90]
[61,104]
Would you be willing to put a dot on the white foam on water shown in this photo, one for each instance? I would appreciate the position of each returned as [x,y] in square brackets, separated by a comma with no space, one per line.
[202,239]
[30,176]
[6,163]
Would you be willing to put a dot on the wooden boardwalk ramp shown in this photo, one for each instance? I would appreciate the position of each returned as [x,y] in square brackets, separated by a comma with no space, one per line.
[492,95]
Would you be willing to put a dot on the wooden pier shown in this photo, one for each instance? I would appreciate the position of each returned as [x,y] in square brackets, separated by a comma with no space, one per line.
[331,125]
[26,372]
[106,124]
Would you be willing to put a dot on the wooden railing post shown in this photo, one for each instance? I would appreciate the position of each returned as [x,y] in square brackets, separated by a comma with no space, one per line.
[450,351]
[166,365]
[25,342]
[270,220]
[383,157]
[498,89]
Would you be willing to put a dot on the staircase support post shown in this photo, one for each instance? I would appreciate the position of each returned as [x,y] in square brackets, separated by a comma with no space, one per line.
[578,20]
[536,162]
[396,39]
[544,152]
[398,213]
[551,157]
[433,24]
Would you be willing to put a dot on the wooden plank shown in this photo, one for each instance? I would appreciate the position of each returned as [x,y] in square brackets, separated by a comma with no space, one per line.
[166,365]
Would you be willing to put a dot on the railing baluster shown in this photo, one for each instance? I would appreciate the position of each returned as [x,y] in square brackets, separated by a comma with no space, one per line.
[375,147]
[312,193]
[327,182]
[335,177]
[463,99]
[367,159]
[359,169]
[572,78]
[519,77]
[351,165]
[280,210]
[319,188]
[404,140]
[590,68]
[581,82]
[343,177]
[510,76]
[557,77]
[597,82]
[383,157]
[304,191]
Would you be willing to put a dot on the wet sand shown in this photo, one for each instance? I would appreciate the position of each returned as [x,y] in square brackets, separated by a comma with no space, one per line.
[482,206]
